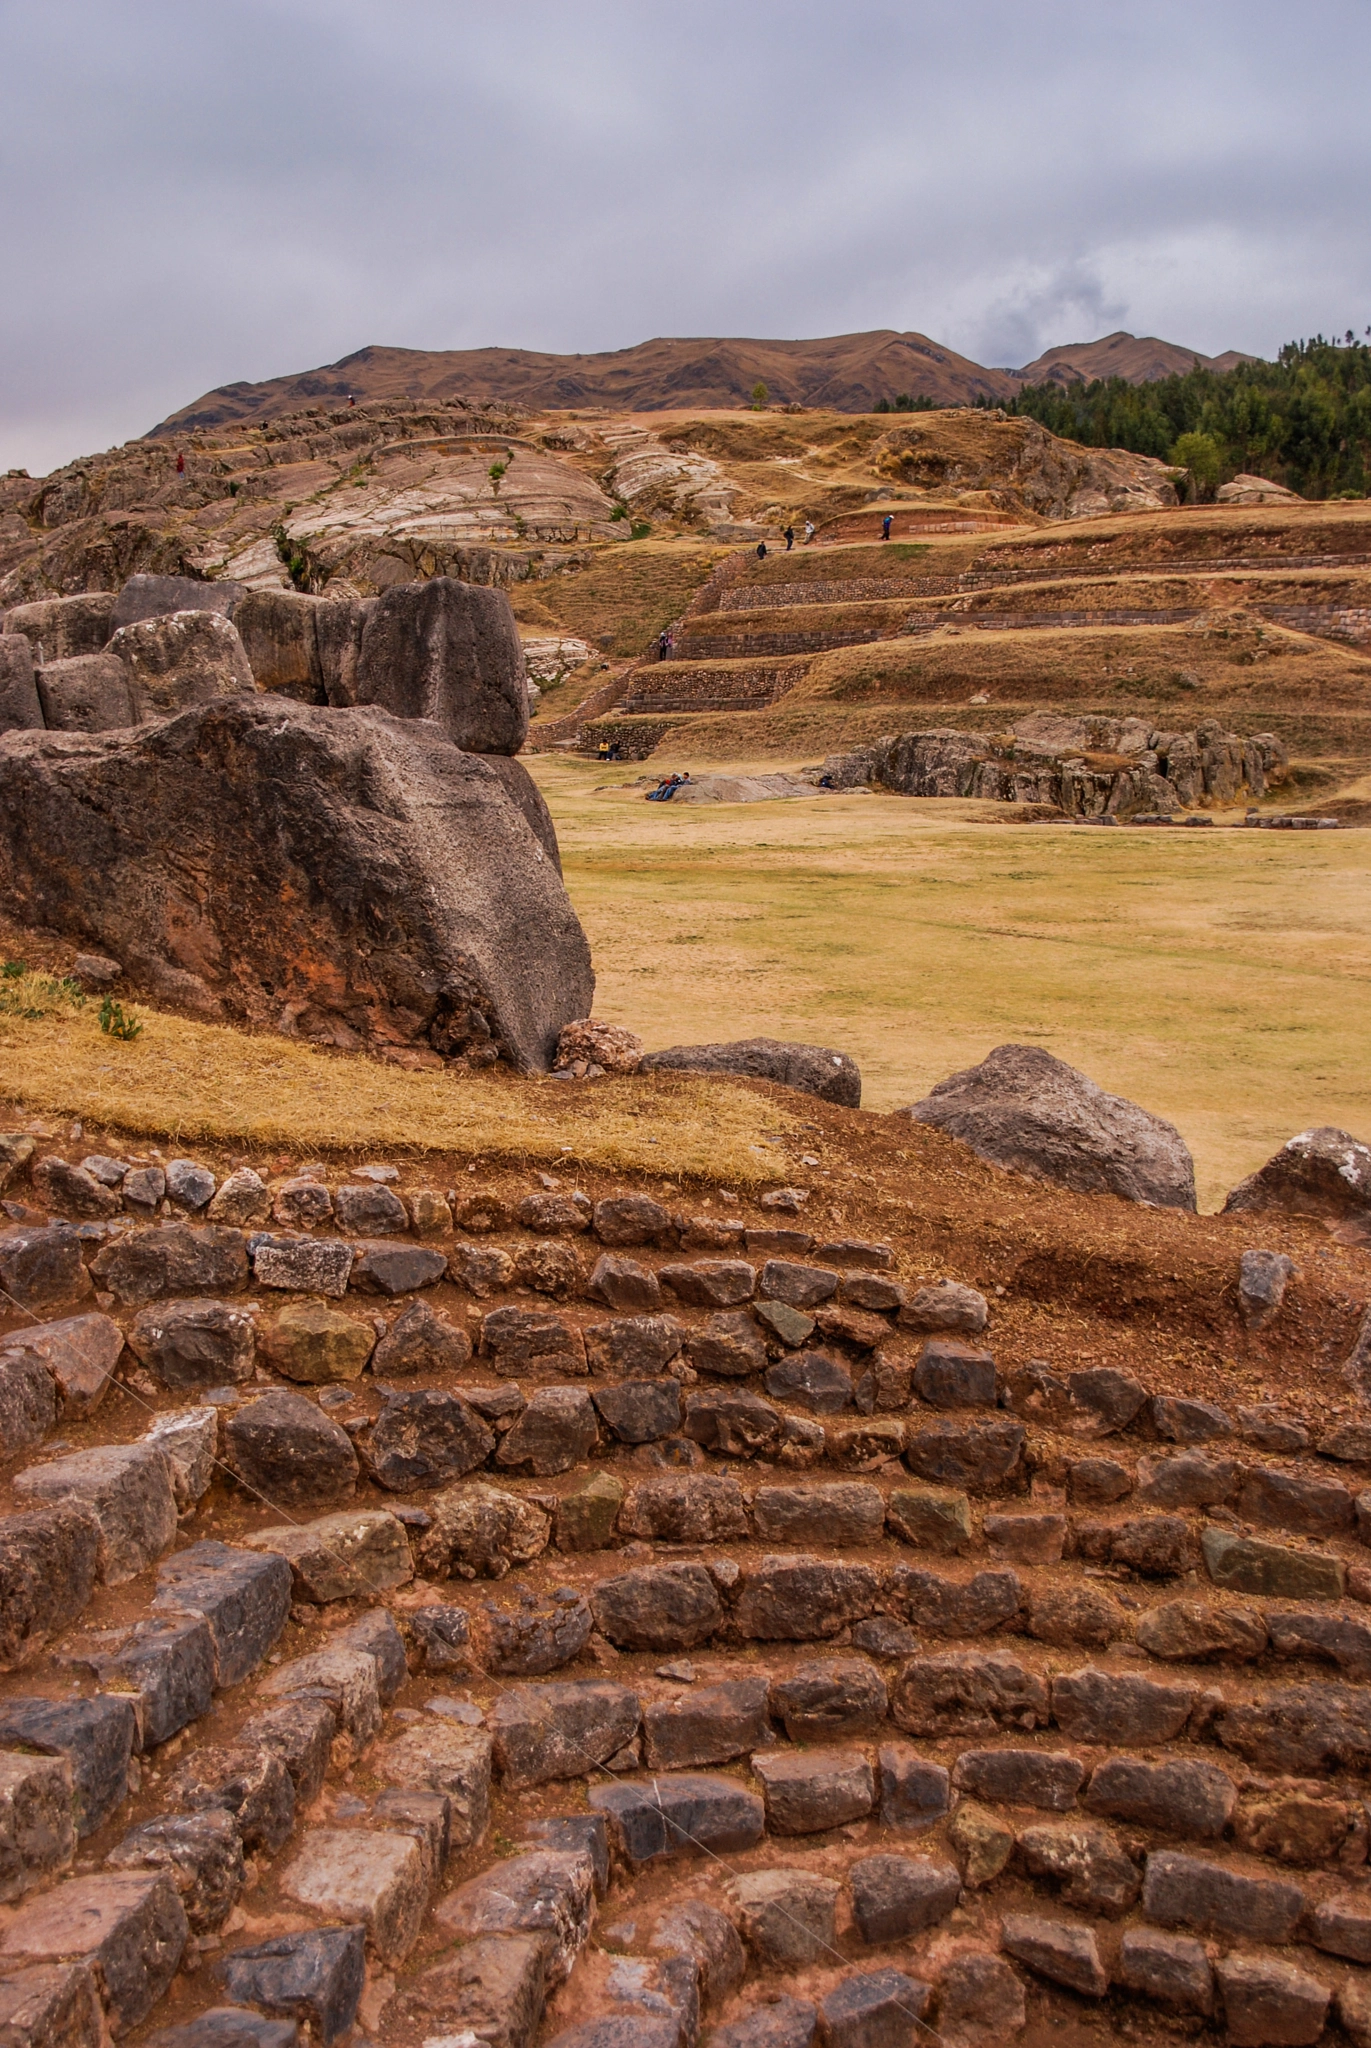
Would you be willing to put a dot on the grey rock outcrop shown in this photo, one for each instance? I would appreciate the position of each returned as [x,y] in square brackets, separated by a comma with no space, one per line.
[448,651]
[1021,1108]
[60,627]
[815,1069]
[182,659]
[364,881]
[1323,1172]
[20,709]
[87,693]
[157,597]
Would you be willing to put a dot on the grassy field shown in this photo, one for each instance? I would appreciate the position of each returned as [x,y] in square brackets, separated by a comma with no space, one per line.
[1222,978]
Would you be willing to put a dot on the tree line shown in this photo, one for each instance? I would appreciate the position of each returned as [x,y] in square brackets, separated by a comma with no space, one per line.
[1303,421]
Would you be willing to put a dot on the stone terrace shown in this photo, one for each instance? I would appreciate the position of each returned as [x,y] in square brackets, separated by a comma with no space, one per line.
[498,1615]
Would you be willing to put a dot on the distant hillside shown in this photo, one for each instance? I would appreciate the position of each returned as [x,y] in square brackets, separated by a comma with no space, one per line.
[843,373]
[1139,359]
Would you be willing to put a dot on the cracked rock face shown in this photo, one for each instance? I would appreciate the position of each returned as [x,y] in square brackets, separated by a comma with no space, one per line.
[342,875]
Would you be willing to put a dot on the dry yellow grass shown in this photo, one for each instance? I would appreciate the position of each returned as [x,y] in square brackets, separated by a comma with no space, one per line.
[1219,977]
[184,1080]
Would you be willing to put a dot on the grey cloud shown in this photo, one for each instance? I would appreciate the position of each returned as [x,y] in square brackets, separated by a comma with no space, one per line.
[199,192]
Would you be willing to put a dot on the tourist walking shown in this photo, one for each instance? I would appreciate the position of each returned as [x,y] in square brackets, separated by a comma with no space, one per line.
[789,538]
[885,527]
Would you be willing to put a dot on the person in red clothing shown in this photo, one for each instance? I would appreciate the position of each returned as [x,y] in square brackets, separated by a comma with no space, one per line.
[180,465]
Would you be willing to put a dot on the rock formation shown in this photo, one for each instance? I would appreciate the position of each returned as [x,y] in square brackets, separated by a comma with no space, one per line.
[1023,1109]
[1324,1172]
[1086,767]
[345,875]
[816,1069]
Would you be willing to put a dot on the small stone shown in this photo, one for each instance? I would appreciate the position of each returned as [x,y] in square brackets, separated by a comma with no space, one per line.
[841,1696]
[1021,1777]
[697,1509]
[914,1792]
[1026,1539]
[1176,1796]
[788,1917]
[300,1733]
[128,1926]
[317,1345]
[1087,1860]
[661,1607]
[545,1732]
[28,1401]
[482,1269]
[370,1211]
[426,1438]
[1293,1500]
[1248,1566]
[1185,1891]
[956,1607]
[446,1756]
[280,1446]
[1102,1400]
[193,1344]
[555,1215]
[973,1455]
[729,1345]
[1119,1708]
[1262,1280]
[1191,1480]
[421,1339]
[791,1325]
[301,1204]
[251,1784]
[732,1425]
[165,1666]
[640,1411]
[37,1829]
[80,1352]
[946,1305]
[631,1220]
[555,1431]
[1184,1421]
[358,1554]
[548,1267]
[480,1531]
[894,1897]
[71,1190]
[780,2023]
[797,1285]
[189,1184]
[980,2001]
[174,1260]
[1097,1482]
[491,1991]
[1272,1428]
[952,1375]
[681,1813]
[711,1725]
[370,1875]
[930,1517]
[1192,1630]
[586,1518]
[711,1283]
[53,2007]
[545,1892]
[982,1842]
[873,1291]
[144,1190]
[242,1198]
[316,1976]
[527,1340]
[633,1345]
[1075,1617]
[816,1380]
[202,1853]
[382,1267]
[968,1693]
[41,1266]
[1266,2001]
[1342,1927]
[881,1637]
[1062,1950]
[875,2009]
[803,1599]
[429,1213]
[128,1487]
[303,1265]
[95,1735]
[535,1637]
[809,1792]
[1170,1968]
[624,1285]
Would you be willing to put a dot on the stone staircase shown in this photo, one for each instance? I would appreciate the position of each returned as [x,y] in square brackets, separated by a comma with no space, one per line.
[464,1615]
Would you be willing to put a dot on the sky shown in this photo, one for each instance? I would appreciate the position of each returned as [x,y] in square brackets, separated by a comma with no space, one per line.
[192,194]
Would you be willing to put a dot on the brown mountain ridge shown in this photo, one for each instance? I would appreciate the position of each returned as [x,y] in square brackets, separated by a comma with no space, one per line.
[841,373]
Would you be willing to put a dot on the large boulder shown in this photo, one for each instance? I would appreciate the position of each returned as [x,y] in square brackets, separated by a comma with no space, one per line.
[448,651]
[87,693]
[278,629]
[1023,1109]
[156,597]
[1324,1172]
[816,1069]
[20,708]
[181,659]
[356,879]
[59,628]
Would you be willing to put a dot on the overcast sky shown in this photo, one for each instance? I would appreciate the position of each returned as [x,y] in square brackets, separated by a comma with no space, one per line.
[197,191]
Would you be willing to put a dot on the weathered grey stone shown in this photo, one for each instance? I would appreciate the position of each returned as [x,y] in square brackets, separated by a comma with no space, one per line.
[634,1344]
[732,1424]
[303,1265]
[914,1792]
[1190,1480]
[181,659]
[930,1517]
[63,626]
[28,1401]
[1088,1862]
[1075,1617]
[301,1733]
[1021,1108]
[946,1305]
[640,1411]
[1177,1796]
[683,1813]
[37,1827]
[128,1488]
[21,708]
[968,1693]
[381,1267]
[251,1784]
[1119,1707]
[1262,1280]
[623,1284]
[554,1215]
[816,1380]
[194,1344]
[632,1220]
[1342,1927]
[875,2009]
[973,1455]
[850,1512]
[555,1431]
[316,1976]
[282,1448]
[1272,1428]
[1195,1630]
[448,652]
[956,1607]
[840,1696]
[711,1283]
[244,1599]
[1097,1482]
[1341,1638]
[537,1636]
[166,1666]
[1187,1891]
[1323,1172]
[128,1926]
[426,1438]
[492,1989]
[1305,1503]
[53,2006]
[1102,1400]
[586,1517]
[809,1791]
[1309,1729]
[798,1286]
[1183,1421]
[803,1599]
[1248,1566]
[545,1892]
[443,1756]
[373,1875]
[175,1259]
[522,1340]
[980,2001]
[542,1732]
[1170,1968]
[952,1375]
[41,1266]
[791,1325]
[242,1198]
[1021,1777]
[356,1554]
[369,1211]
[1026,1539]
[788,1916]
[95,1735]
[1063,1950]
[707,1724]
[71,1190]
[814,1069]
[694,1509]
[480,1531]
[421,1340]
[707,1937]
[1267,2001]
[894,1897]
[660,1607]
[729,1345]
[779,2023]
[202,1853]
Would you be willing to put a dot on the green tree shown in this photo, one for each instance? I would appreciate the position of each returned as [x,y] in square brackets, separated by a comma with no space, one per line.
[1201,457]
[758,396]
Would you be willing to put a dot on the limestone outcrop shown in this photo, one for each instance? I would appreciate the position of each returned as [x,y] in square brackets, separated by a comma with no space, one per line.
[1024,1109]
[343,875]
[1086,767]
